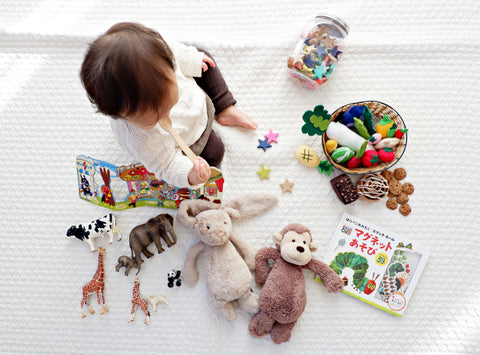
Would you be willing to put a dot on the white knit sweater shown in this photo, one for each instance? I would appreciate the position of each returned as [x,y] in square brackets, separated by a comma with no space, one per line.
[155,148]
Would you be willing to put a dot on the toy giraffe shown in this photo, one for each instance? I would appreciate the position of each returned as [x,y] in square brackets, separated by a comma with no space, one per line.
[137,300]
[95,285]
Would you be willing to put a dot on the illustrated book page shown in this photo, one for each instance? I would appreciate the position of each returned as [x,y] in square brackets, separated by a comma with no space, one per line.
[377,266]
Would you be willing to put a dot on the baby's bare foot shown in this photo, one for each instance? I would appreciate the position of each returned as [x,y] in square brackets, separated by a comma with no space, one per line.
[232,116]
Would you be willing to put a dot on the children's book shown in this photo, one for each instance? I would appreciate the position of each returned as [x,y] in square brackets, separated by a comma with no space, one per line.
[377,267]
[128,186]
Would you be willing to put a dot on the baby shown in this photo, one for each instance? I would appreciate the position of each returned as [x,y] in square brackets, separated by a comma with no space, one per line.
[131,74]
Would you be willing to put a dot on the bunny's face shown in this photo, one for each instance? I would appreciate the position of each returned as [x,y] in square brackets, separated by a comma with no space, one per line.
[213,227]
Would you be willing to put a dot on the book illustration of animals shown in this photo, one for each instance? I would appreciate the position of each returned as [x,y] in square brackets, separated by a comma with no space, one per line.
[129,186]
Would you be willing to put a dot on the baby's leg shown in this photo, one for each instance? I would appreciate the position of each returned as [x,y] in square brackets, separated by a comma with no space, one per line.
[214,85]
[214,150]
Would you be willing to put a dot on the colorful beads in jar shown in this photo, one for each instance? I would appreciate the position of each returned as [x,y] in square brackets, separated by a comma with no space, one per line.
[317,51]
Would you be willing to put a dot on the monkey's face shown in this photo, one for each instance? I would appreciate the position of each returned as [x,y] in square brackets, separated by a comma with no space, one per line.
[295,248]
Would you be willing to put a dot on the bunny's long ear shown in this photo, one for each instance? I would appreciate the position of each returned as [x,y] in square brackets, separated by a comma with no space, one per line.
[249,205]
[189,209]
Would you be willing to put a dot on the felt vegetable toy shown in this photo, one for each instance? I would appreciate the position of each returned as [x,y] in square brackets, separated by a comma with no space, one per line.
[368,119]
[400,132]
[370,158]
[282,299]
[384,125]
[350,114]
[386,154]
[361,129]
[354,162]
[392,130]
[308,157]
[344,136]
[342,155]
[387,143]
[375,138]
[330,146]
[316,121]
[228,258]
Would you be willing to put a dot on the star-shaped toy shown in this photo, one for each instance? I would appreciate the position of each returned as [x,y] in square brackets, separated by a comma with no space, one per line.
[319,71]
[321,50]
[310,60]
[335,52]
[271,137]
[328,41]
[297,60]
[263,172]
[264,144]
[309,49]
[286,186]
[329,72]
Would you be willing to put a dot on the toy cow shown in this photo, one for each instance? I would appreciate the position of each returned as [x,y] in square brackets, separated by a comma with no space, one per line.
[88,232]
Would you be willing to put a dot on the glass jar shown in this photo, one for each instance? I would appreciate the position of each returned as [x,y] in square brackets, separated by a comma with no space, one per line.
[317,51]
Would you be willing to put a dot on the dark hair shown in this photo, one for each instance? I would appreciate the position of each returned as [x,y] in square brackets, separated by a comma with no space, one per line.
[126,70]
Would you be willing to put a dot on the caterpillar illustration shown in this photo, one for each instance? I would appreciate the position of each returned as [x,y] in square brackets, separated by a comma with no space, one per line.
[357,263]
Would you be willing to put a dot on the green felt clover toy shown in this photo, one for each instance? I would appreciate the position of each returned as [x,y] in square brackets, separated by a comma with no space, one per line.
[316,121]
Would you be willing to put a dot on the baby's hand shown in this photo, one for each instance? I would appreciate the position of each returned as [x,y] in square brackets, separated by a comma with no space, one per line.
[207,60]
[200,172]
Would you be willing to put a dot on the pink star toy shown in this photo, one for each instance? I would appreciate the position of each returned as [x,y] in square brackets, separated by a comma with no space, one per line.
[271,137]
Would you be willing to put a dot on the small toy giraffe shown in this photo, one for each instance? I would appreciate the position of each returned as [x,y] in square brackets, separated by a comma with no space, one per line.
[95,285]
[137,300]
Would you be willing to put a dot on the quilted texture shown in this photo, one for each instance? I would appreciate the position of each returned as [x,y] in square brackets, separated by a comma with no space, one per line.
[419,57]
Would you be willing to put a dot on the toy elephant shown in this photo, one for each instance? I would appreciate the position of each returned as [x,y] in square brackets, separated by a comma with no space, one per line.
[128,263]
[151,232]
[228,258]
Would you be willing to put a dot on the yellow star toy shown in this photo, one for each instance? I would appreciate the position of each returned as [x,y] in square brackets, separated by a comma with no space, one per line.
[286,186]
[263,173]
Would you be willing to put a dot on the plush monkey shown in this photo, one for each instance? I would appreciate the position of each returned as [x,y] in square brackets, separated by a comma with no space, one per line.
[283,298]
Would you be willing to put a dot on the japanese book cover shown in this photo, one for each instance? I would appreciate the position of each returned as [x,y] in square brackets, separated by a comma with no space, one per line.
[129,186]
[377,267]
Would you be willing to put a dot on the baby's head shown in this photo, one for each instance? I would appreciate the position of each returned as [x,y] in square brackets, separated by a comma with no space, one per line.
[128,72]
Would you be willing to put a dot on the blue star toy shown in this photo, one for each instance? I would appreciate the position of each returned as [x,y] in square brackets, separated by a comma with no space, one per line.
[321,50]
[264,144]
[335,52]
[310,60]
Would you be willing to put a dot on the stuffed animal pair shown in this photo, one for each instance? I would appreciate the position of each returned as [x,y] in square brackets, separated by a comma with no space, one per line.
[229,260]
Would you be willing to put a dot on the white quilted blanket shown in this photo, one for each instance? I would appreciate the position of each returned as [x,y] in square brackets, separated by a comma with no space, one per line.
[419,57]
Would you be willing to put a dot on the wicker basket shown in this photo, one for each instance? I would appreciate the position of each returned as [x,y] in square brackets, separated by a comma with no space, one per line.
[378,110]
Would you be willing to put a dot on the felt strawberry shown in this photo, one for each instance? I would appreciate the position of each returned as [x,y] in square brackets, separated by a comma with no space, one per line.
[400,132]
[386,154]
[370,158]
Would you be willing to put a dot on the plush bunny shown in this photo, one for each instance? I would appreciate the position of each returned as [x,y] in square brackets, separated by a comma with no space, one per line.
[227,272]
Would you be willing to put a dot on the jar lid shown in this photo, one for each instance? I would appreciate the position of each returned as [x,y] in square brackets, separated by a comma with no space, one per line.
[337,21]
